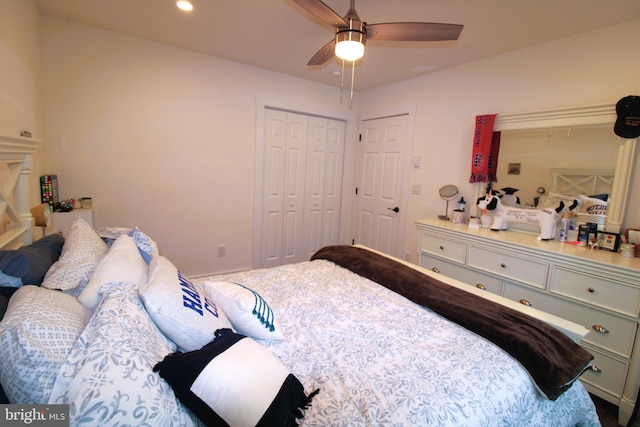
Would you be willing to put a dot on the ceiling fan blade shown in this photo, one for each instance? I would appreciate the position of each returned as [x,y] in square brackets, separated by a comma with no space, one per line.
[322,12]
[413,31]
[327,52]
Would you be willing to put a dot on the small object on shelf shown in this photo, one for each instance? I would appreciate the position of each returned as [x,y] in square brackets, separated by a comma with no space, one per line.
[86,203]
[49,191]
[447,192]
[608,241]
[565,226]
[457,216]
[509,197]
[462,204]
[628,250]
[583,234]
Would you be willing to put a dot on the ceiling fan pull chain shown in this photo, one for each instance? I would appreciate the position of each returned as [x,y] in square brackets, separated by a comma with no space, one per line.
[353,75]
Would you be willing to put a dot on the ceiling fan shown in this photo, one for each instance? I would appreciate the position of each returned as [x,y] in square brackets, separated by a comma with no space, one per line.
[352,33]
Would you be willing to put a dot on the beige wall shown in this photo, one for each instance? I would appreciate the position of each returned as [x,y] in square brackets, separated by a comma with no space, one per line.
[20,106]
[587,69]
[162,138]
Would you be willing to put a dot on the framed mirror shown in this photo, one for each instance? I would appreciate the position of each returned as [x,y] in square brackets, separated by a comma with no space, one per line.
[582,146]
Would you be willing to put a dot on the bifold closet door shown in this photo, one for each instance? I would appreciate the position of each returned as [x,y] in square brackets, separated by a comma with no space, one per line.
[302,186]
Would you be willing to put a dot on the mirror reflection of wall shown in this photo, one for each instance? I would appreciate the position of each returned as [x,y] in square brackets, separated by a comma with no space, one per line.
[532,154]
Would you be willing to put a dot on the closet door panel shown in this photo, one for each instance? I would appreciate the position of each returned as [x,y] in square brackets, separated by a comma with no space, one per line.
[295,164]
[273,187]
[333,182]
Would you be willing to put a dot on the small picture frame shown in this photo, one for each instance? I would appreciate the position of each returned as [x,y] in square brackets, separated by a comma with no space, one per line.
[514,169]
[608,241]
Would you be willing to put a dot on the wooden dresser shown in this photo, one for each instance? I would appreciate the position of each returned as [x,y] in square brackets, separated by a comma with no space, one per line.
[595,288]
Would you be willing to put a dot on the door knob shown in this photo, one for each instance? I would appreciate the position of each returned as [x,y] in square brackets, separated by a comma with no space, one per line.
[396,209]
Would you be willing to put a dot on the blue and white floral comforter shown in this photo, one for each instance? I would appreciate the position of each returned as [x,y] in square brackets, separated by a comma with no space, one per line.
[379,359]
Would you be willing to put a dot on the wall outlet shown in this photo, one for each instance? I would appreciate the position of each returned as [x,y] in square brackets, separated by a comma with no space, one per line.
[416,189]
[222,250]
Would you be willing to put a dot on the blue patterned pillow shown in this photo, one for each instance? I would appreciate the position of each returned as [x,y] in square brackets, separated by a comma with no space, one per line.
[235,381]
[81,252]
[107,379]
[36,335]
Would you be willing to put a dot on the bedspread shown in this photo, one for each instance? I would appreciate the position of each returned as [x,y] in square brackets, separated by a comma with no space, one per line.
[380,359]
[552,359]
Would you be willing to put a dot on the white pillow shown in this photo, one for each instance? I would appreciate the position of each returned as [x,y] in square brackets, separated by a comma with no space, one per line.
[181,311]
[248,312]
[107,379]
[592,206]
[37,333]
[122,263]
[81,252]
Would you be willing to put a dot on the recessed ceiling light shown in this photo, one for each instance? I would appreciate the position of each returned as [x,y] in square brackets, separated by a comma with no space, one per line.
[184,5]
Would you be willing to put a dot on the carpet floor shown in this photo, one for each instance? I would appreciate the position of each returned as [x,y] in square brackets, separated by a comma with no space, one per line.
[607,412]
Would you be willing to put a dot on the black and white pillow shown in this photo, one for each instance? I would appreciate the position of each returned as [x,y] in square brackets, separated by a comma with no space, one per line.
[235,381]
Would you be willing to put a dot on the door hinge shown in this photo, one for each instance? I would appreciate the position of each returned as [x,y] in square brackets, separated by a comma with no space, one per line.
[356,191]
[353,241]
[360,137]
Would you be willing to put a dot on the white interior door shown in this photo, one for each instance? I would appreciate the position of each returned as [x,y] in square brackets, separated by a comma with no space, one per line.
[382,159]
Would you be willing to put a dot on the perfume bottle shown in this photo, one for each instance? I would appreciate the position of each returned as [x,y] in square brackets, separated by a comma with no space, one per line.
[462,204]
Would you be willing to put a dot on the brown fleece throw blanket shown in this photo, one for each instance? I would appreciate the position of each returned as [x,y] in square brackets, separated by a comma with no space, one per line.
[552,359]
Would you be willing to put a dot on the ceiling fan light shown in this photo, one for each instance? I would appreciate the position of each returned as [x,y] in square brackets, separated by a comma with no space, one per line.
[349,45]
[184,5]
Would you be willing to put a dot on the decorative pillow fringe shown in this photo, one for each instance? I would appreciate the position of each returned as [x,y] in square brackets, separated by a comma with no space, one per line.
[262,310]
[304,404]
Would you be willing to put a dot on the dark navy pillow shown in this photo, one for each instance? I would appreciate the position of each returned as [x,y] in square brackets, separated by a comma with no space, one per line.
[234,381]
[603,197]
[29,264]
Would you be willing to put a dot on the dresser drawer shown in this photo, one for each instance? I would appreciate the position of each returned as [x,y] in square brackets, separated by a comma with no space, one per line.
[444,248]
[459,272]
[510,266]
[607,374]
[619,338]
[595,290]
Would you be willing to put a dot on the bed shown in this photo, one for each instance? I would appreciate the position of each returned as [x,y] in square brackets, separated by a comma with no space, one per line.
[104,323]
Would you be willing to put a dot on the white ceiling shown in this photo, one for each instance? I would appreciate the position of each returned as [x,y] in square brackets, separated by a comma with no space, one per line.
[279,35]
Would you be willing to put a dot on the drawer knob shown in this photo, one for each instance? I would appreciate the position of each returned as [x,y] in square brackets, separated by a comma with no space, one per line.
[435,270]
[503,265]
[481,286]
[600,328]
[591,290]
[525,302]
[595,369]
[441,248]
